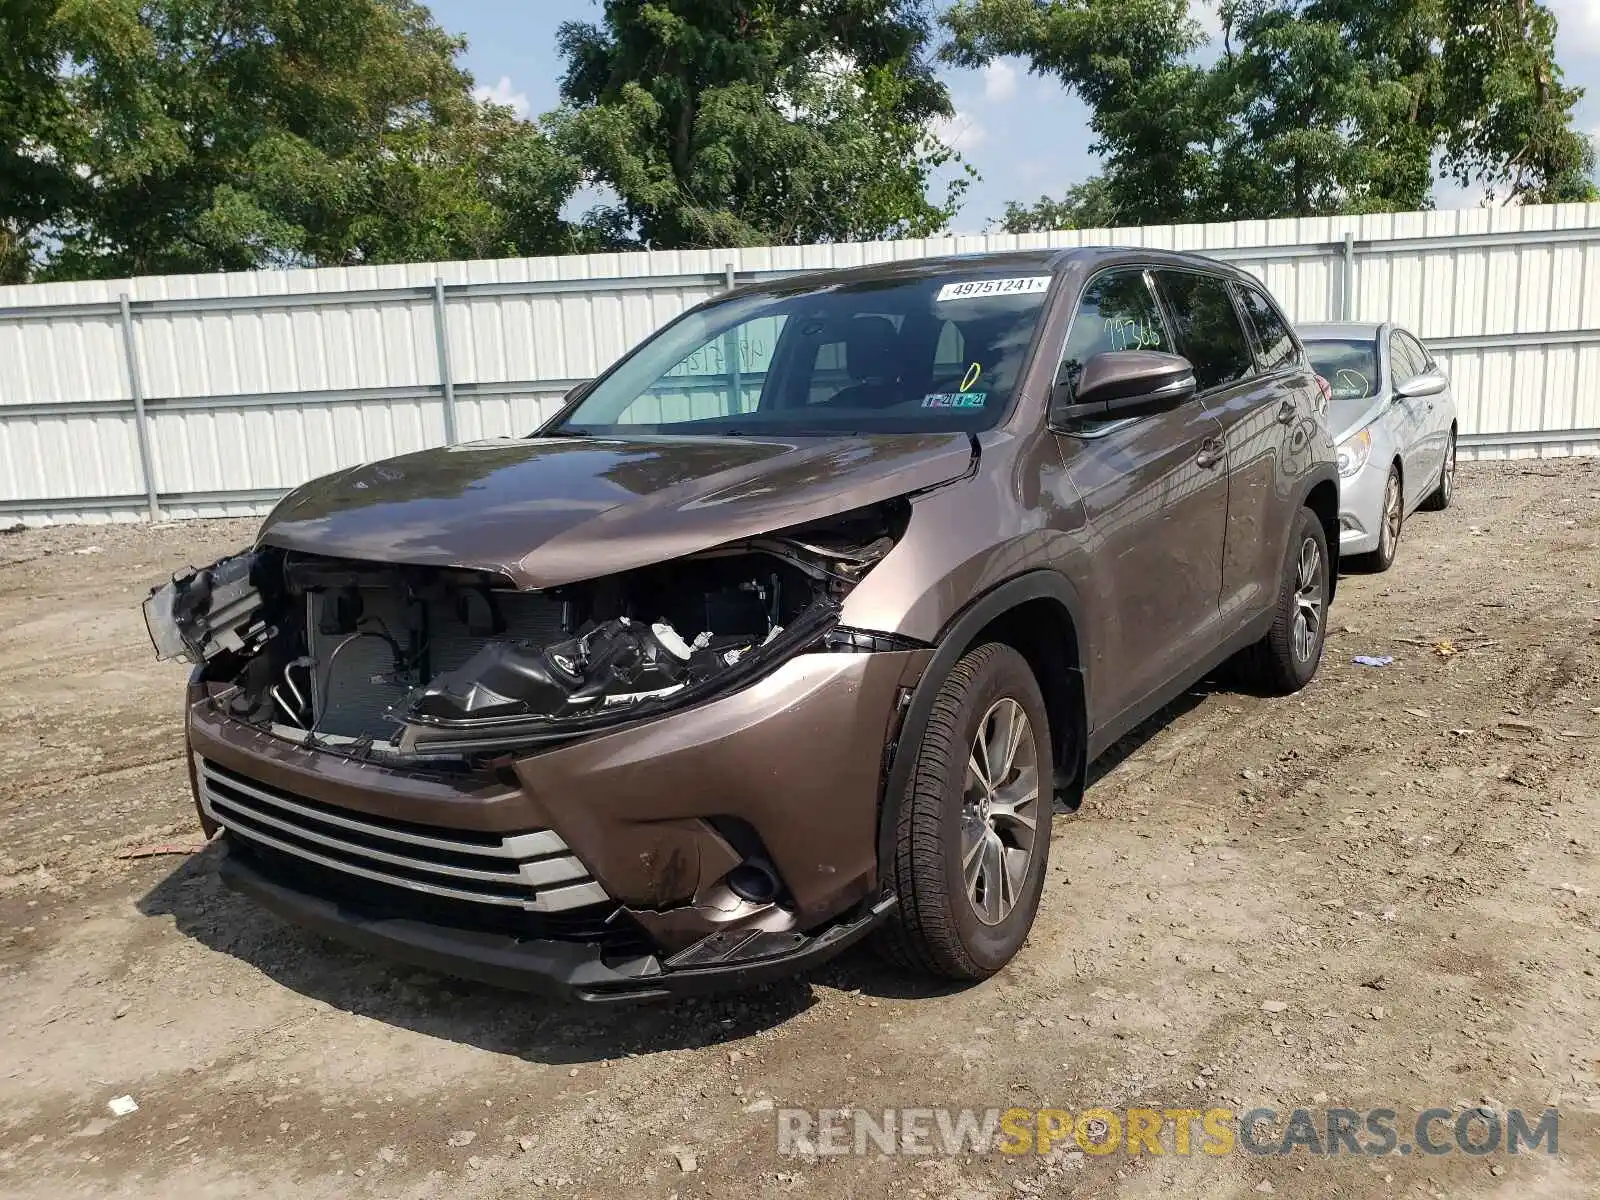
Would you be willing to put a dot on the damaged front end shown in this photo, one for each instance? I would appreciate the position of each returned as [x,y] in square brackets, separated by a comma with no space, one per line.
[408,756]
[422,664]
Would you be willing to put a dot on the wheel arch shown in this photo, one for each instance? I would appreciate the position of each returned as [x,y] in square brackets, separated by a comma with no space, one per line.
[1040,615]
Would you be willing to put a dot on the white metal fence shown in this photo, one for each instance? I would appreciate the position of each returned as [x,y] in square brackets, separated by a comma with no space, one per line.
[210,395]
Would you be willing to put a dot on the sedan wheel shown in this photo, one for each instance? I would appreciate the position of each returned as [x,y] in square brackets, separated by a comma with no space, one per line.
[1390,520]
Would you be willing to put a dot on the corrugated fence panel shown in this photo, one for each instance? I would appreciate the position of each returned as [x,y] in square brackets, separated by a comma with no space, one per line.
[252,383]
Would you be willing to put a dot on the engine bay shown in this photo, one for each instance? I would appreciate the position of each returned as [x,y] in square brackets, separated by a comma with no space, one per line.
[396,662]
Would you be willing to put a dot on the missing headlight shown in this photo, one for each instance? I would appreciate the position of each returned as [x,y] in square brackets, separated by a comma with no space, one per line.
[651,637]
[390,661]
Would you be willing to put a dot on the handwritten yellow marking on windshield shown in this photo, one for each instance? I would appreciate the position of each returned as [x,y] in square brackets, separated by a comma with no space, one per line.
[968,381]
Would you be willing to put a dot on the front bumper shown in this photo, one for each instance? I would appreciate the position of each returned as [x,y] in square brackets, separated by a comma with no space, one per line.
[1361,507]
[526,876]
[566,969]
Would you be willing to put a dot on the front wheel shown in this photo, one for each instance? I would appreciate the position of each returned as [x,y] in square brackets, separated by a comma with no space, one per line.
[1390,523]
[1285,660]
[973,835]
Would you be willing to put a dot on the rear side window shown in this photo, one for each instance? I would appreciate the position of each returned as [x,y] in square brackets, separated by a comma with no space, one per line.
[1274,343]
[1118,312]
[1207,330]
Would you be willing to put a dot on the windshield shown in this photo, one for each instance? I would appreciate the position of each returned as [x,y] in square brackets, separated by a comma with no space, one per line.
[892,356]
[1350,367]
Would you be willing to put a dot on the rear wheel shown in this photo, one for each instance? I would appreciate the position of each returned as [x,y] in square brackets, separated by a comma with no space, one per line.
[1440,499]
[1285,660]
[1390,522]
[973,836]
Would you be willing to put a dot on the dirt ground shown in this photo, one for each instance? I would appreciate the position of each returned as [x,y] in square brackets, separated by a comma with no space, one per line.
[1381,893]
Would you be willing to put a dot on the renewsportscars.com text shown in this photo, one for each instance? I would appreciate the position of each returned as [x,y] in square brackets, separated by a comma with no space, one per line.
[1373,1132]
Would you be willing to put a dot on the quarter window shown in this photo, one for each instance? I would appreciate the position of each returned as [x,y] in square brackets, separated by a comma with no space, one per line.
[1206,327]
[1419,355]
[1118,312]
[1402,364]
[1275,344]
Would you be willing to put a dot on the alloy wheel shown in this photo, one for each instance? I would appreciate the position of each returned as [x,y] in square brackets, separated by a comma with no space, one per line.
[1450,469]
[1308,600]
[1000,811]
[1392,517]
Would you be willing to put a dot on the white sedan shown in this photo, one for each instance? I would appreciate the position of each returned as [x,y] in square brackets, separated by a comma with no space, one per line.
[1392,415]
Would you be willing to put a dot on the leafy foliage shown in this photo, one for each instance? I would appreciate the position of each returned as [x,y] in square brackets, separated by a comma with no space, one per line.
[36,130]
[187,135]
[1087,205]
[1507,113]
[193,135]
[1311,107]
[739,122]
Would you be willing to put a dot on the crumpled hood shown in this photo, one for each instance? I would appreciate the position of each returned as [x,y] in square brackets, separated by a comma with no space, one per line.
[550,511]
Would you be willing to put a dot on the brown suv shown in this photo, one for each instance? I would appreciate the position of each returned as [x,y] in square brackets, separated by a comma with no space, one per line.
[789,628]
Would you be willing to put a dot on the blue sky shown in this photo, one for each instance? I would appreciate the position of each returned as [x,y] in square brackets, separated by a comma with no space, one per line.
[1025,135]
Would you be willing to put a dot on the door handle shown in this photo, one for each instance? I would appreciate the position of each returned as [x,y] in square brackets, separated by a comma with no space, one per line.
[1211,452]
[1287,412]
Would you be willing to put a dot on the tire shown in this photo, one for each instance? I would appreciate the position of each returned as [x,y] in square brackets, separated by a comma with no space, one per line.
[947,812]
[1440,498]
[1390,523]
[1283,662]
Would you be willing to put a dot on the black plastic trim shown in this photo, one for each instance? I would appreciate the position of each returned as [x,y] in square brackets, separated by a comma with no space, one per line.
[567,970]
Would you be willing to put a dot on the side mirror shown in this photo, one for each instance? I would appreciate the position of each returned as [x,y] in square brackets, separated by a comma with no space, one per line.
[1429,383]
[1124,383]
[575,391]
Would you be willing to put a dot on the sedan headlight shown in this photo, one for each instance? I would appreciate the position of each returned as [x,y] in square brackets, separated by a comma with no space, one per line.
[1353,453]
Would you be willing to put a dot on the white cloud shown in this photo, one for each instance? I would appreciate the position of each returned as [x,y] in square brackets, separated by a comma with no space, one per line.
[960,132]
[999,81]
[1205,11]
[503,94]
[1578,25]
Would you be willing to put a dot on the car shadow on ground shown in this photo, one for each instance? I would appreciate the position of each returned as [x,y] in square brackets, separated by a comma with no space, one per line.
[533,1027]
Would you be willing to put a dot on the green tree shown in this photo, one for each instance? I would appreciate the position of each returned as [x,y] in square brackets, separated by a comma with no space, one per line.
[1311,107]
[739,122]
[1155,117]
[36,132]
[190,135]
[1310,133]
[1508,116]
[1088,205]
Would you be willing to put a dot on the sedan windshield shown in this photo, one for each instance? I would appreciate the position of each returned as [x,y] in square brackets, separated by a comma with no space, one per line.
[1350,367]
[891,356]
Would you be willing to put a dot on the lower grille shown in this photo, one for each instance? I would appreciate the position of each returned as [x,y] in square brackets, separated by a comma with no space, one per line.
[533,871]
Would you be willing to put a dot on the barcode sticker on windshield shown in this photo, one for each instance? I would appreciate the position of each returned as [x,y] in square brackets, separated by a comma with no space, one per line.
[977,289]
